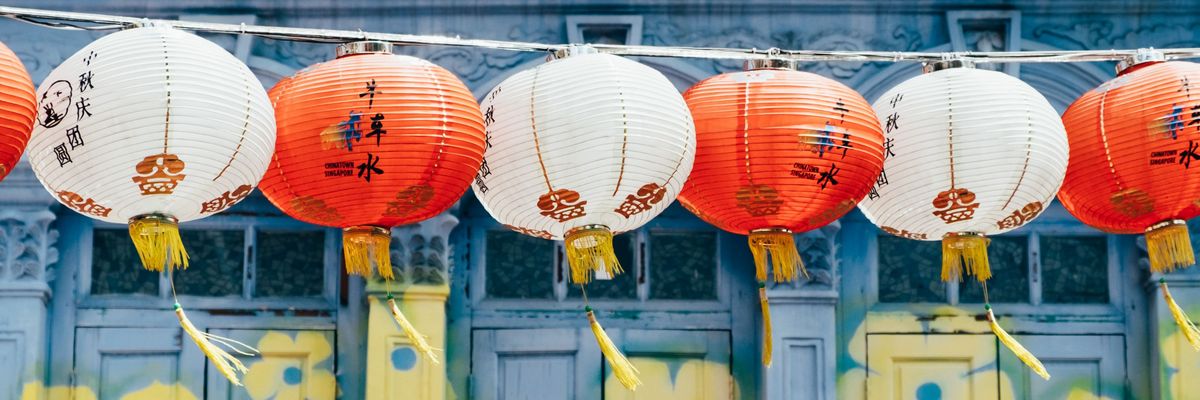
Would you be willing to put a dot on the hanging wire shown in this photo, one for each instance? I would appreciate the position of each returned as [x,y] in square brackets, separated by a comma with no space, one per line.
[36,16]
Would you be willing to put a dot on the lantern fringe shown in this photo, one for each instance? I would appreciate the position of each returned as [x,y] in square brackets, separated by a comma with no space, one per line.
[156,238]
[766,318]
[1011,343]
[417,339]
[590,249]
[1189,330]
[780,246]
[1169,246]
[624,370]
[228,365]
[965,251]
[363,246]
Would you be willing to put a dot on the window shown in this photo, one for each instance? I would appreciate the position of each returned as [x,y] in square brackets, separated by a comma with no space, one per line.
[1034,268]
[658,265]
[287,264]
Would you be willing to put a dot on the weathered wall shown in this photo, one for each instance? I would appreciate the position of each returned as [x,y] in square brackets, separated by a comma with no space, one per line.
[823,326]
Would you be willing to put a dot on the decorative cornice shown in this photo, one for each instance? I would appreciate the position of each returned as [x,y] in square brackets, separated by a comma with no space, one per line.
[421,254]
[26,247]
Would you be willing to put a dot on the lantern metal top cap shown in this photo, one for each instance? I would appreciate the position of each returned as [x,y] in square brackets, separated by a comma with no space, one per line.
[1142,56]
[933,66]
[770,63]
[364,47]
[573,50]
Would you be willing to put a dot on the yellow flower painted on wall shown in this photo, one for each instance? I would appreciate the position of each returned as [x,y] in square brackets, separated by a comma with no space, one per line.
[160,391]
[292,369]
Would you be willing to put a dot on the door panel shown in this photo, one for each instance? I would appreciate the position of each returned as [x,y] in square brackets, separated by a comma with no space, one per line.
[905,367]
[138,363]
[674,365]
[292,365]
[1081,367]
[532,364]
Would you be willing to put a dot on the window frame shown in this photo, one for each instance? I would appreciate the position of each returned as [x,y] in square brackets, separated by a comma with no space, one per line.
[1053,225]
[244,302]
[675,219]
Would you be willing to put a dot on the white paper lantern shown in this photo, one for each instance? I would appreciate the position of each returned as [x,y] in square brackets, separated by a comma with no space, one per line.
[151,121]
[153,126]
[582,147]
[969,153]
[586,141]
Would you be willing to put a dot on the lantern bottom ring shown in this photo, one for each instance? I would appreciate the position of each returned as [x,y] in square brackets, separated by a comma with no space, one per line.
[1165,224]
[154,217]
[367,229]
[771,230]
[585,228]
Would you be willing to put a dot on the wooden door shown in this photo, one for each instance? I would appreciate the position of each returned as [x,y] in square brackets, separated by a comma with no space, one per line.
[292,365]
[674,364]
[1081,367]
[138,364]
[932,367]
[533,364]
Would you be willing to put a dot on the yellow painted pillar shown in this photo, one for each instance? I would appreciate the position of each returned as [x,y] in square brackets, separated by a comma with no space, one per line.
[395,370]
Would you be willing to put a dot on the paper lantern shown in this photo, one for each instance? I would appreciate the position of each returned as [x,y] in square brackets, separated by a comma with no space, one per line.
[969,153]
[779,151]
[152,127]
[17,109]
[369,141]
[580,148]
[1133,140]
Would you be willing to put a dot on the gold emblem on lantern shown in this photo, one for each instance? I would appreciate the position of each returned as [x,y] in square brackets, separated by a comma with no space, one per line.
[159,174]
[314,208]
[226,199]
[1022,216]
[409,200]
[646,197]
[82,205]
[904,233]
[955,205]
[539,233]
[758,200]
[562,205]
[832,213]
[1132,202]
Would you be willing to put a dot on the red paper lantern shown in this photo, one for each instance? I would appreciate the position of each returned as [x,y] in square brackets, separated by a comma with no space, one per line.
[1133,142]
[17,109]
[369,141]
[779,151]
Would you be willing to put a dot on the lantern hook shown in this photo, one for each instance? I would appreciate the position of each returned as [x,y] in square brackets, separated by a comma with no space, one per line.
[1142,56]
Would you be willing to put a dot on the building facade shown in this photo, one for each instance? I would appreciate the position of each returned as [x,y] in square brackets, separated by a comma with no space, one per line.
[81,320]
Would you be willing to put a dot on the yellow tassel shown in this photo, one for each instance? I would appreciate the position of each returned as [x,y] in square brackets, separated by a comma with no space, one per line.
[785,260]
[624,370]
[366,245]
[590,248]
[417,339]
[226,364]
[157,240]
[766,317]
[1169,246]
[965,251]
[1185,324]
[1016,347]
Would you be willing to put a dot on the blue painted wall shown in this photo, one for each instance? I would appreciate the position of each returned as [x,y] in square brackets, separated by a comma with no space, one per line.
[826,326]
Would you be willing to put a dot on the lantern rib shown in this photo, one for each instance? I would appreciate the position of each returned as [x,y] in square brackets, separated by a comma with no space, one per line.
[1025,166]
[537,145]
[1104,138]
[64,20]
[245,129]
